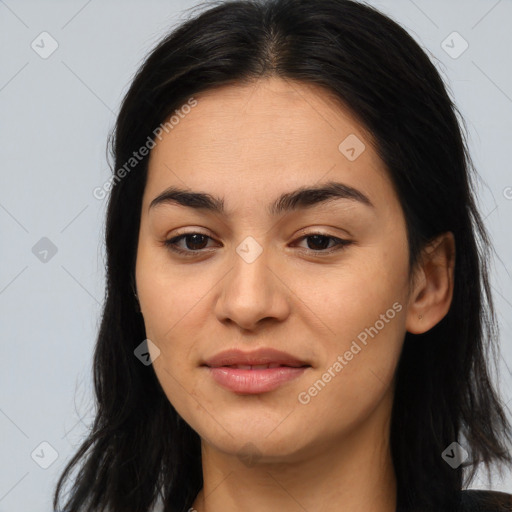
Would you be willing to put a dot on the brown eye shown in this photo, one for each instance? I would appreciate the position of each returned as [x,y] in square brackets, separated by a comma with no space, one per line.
[194,243]
[319,243]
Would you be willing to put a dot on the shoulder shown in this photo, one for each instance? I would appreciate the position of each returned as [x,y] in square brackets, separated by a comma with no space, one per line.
[485,501]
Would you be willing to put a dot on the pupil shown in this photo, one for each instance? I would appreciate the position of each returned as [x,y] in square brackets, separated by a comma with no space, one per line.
[316,237]
[196,241]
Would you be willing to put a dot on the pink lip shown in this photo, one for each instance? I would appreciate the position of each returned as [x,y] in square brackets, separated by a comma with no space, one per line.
[253,381]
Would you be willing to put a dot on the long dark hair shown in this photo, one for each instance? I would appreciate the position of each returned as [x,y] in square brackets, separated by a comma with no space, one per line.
[139,450]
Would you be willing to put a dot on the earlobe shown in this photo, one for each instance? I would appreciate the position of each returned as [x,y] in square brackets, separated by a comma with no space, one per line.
[432,295]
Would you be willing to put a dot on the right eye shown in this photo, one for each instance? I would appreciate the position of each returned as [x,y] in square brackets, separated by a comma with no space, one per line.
[194,238]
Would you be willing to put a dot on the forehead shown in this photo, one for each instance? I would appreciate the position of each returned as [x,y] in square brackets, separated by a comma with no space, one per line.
[251,142]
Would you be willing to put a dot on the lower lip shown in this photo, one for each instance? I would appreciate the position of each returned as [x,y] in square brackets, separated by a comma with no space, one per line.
[254,381]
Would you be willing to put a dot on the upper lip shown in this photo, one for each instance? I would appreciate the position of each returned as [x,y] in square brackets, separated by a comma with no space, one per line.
[255,357]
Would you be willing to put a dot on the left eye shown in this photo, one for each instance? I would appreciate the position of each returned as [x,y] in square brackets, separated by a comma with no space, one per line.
[320,240]
[172,242]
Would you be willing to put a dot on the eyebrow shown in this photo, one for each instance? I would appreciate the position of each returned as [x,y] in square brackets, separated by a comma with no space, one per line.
[303,197]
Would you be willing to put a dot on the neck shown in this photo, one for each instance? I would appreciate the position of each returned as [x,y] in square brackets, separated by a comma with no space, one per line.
[348,474]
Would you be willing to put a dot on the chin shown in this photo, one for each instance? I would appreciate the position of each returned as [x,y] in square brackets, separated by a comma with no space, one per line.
[261,440]
[255,449]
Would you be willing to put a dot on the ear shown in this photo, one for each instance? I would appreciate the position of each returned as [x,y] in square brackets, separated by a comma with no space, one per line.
[432,292]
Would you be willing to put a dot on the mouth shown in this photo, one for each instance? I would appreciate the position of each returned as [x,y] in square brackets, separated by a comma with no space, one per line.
[256,372]
[260,359]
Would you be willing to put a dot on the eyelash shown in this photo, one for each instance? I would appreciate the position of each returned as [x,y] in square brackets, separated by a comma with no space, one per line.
[171,244]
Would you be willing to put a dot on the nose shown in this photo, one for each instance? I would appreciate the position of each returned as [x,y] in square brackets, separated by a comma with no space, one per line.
[254,292]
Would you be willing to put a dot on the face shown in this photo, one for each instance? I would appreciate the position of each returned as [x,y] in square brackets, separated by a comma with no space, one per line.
[323,278]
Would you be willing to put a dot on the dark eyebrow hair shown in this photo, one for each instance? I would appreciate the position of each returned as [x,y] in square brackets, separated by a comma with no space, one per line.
[303,197]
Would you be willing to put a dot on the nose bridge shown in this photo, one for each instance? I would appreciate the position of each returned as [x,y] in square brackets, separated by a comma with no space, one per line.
[250,291]
[249,278]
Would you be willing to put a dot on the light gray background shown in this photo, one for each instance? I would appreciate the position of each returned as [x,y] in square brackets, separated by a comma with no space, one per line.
[56,114]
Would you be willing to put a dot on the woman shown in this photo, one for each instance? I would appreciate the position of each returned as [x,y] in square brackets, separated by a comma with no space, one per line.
[298,308]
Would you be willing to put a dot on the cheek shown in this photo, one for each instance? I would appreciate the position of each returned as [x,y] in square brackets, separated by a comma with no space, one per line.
[167,292]
[366,285]
[168,303]
[358,362]
[363,303]
[170,297]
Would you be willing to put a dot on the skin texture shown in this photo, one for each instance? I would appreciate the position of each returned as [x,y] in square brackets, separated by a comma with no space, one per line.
[248,144]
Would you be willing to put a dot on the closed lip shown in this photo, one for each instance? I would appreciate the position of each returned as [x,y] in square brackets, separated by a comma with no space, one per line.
[260,356]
